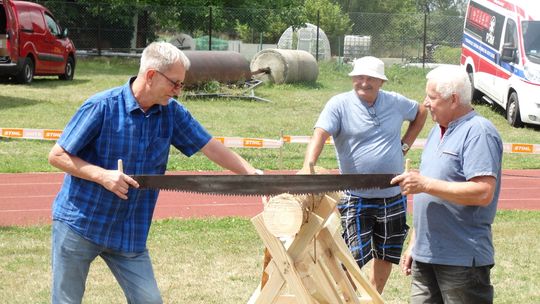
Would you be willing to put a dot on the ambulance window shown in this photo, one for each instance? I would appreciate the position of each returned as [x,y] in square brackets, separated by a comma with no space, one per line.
[531,37]
[510,36]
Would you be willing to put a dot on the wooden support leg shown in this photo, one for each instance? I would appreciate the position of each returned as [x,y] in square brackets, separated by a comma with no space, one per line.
[266,260]
[345,257]
[315,268]
[271,291]
[338,273]
[283,262]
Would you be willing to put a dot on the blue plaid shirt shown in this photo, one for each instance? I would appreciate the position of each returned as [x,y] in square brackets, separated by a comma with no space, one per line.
[111,126]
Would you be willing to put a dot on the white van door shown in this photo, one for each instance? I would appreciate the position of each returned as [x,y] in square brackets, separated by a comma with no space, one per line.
[506,69]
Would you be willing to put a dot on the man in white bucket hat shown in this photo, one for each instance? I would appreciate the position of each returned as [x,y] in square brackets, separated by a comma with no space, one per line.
[365,124]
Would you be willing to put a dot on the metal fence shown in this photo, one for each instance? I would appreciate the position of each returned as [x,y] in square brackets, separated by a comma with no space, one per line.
[101,28]
[412,37]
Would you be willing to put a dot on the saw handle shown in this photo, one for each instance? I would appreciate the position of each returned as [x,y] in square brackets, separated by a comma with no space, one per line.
[407,164]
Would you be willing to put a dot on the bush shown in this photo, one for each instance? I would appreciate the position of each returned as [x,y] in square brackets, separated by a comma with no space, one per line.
[447,54]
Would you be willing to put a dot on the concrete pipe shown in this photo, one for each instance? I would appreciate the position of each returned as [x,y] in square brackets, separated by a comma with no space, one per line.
[286,66]
[221,66]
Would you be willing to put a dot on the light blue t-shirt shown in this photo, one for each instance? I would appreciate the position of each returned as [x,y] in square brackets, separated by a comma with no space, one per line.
[368,139]
[448,233]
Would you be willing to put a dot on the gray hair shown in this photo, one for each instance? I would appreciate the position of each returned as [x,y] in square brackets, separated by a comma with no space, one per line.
[451,80]
[160,56]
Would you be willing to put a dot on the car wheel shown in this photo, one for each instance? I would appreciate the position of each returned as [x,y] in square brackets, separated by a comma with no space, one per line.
[26,75]
[69,70]
[512,111]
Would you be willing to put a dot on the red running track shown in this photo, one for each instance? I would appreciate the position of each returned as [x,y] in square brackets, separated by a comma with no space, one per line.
[26,198]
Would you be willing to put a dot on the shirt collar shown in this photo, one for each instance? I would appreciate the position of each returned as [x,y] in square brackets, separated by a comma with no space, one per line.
[455,123]
[131,102]
[364,103]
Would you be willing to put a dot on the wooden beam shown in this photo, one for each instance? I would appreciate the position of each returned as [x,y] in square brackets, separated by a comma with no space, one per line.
[283,262]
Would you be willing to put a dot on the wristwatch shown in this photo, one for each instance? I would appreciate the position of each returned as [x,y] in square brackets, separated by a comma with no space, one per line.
[404,147]
[259,172]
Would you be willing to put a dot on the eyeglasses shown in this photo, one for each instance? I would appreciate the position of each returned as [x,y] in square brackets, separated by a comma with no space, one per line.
[176,84]
[371,111]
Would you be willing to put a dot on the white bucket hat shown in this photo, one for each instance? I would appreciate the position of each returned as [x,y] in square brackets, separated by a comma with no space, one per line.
[368,66]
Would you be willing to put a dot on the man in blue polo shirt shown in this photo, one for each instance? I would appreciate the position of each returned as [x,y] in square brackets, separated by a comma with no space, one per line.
[365,124]
[99,211]
[450,252]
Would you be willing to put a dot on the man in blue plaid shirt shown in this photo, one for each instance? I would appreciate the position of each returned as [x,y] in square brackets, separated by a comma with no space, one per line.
[99,211]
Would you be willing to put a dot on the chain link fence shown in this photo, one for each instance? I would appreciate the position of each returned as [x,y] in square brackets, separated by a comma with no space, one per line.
[102,29]
[411,37]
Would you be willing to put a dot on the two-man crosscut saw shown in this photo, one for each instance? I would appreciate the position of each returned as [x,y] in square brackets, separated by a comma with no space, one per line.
[264,184]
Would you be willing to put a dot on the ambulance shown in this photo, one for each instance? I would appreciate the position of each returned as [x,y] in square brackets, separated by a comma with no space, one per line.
[501,53]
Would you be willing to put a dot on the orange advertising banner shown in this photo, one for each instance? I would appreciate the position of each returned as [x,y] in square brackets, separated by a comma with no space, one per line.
[522,148]
[16,133]
[253,142]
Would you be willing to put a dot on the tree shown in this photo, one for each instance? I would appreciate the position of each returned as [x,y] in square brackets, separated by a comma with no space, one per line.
[269,21]
[332,20]
[108,24]
[445,7]
[401,6]
[375,6]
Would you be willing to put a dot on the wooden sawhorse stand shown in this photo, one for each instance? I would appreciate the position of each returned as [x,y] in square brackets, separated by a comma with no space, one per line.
[316,267]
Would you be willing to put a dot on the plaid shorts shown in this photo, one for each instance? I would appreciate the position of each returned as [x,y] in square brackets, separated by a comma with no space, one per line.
[374,227]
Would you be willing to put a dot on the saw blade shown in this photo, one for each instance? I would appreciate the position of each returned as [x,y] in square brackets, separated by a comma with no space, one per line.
[264,184]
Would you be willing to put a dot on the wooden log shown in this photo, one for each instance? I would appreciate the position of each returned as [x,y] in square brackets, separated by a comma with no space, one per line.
[284,214]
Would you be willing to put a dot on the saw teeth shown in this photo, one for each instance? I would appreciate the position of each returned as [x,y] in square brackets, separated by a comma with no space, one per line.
[230,194]
[234,194]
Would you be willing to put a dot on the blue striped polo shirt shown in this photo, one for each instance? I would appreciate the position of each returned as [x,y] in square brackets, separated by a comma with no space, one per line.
[110,126]
[448,233]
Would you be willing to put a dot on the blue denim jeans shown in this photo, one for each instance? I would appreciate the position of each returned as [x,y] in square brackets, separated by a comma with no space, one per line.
[433,284]
[71,259]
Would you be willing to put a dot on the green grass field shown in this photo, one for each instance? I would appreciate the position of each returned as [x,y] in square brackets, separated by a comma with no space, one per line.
[219,260]
[49,104]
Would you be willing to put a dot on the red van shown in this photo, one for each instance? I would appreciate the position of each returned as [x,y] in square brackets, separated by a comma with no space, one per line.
[32,43]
